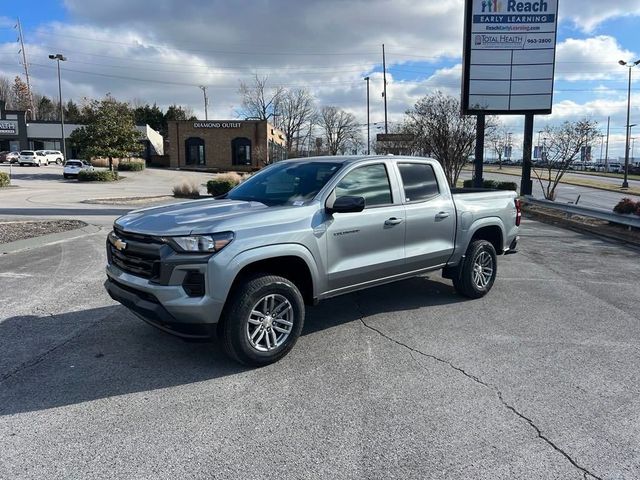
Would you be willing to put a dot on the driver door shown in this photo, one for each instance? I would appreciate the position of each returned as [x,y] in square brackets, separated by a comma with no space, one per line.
[369,245]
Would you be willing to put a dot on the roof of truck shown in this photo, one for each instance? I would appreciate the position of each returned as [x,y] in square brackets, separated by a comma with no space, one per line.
[345,158]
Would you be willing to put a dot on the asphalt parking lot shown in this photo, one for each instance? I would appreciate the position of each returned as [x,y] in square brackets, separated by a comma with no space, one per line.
[538,380]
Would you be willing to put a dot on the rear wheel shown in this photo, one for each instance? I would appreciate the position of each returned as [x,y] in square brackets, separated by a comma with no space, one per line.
[262,321]
[476,274]
[58,161]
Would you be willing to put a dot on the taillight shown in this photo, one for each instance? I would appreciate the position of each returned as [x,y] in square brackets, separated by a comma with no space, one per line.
[518,211]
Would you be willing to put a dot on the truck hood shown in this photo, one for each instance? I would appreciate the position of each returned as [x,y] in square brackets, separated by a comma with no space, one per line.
[199,216]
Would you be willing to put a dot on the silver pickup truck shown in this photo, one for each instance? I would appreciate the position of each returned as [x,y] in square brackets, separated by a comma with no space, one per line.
[243,266]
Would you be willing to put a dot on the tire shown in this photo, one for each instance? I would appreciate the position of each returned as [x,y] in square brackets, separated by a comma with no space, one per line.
[58,161]
[468,280]
[248,337]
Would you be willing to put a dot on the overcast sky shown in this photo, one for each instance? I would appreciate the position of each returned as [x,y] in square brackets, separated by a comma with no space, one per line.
[161,50]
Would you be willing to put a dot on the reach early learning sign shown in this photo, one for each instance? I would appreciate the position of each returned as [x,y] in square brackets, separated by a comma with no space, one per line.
[509,55]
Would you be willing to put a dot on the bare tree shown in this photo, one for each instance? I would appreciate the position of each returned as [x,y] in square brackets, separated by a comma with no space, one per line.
[340,130]
[296,110]
[498,139]
[562,147]
[258,101]
[6,91]
[439,129]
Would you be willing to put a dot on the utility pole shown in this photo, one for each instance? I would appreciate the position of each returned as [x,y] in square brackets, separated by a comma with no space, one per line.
[606,150]
[26,68]
[206,101]
[384,91]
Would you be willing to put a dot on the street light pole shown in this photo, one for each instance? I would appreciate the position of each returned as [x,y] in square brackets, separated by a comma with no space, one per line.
[625,182]
[58,57]
[368,129]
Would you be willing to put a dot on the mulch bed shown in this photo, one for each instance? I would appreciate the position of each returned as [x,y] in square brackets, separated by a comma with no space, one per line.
[11,231]
[583,224]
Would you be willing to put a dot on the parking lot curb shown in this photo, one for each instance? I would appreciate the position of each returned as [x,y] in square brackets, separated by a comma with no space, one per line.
[49,239]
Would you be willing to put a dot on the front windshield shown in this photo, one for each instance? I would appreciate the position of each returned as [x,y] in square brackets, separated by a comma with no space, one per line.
[287,183]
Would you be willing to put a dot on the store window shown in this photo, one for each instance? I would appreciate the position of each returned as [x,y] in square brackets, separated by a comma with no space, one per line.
[194,147]
[276,152]
[241,151]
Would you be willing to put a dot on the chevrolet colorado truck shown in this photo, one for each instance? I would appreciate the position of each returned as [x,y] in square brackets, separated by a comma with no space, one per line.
[243,266]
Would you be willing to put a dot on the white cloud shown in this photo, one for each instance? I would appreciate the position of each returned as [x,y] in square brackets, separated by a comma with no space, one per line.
[587,15]
[593,58]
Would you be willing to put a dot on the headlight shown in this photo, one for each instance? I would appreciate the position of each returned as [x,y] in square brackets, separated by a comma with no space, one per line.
[200,243]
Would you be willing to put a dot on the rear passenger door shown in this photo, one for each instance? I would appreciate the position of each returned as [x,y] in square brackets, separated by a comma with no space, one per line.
[430,216]
[369,245]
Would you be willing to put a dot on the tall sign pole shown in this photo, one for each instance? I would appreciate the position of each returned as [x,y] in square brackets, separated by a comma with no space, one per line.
[509,64]
[384,89]
[368,120]
[479,154]
[606,150]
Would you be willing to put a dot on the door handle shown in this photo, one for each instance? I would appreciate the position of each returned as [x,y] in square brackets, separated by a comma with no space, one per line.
[393,221]
[442,214]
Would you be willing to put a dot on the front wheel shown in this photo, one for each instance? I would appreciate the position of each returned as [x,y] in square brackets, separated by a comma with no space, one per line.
[262,321]
[476,274]
[59,161]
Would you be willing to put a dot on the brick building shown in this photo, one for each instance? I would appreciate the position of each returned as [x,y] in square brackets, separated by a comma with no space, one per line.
[224,144]
[17,133]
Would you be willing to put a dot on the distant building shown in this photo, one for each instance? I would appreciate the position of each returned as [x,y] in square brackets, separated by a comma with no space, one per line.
[224,144]
[16,133]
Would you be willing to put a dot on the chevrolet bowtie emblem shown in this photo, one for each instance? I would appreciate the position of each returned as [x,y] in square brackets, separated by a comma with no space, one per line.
[117,242]
[120,244]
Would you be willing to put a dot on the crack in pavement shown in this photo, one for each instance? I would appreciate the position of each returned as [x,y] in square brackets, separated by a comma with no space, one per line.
[478,380]
[38,359]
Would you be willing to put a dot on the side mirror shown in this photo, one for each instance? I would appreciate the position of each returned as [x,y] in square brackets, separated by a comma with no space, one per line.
[347,204]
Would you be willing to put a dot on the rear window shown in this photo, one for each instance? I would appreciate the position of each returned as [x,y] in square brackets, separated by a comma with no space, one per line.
[27,152]
[419,181]
[73,164]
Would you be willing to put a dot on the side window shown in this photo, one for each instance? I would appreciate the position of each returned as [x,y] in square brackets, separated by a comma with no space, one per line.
[370,182]
[419,181]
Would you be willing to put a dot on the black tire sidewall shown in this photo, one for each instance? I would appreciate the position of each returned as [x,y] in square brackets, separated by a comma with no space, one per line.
[466,285]
[234,323]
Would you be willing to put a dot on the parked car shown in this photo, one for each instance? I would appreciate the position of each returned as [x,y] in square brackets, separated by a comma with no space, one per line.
[12,157]
[72,168]
[30,157]
[299,231]
[55,156]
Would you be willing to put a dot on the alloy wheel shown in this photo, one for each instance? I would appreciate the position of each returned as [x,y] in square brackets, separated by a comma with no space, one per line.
[270,322]
[482,270]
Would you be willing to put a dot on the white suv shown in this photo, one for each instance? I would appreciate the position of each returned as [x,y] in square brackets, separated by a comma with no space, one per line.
[72,168]
[30,157]
[54,156]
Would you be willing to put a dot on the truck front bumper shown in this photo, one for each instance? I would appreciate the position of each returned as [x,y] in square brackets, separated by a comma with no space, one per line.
[167,307]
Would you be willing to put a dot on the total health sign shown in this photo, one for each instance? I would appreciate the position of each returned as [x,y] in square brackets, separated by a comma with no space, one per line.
[509,56]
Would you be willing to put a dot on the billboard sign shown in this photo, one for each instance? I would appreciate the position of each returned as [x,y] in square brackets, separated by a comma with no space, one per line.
[395,137]
[8,127]
[509,56]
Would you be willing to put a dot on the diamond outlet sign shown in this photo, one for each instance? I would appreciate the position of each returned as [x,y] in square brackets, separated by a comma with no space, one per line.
[509,56]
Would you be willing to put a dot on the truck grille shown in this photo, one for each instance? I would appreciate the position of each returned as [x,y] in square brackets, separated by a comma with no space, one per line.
[141,257]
